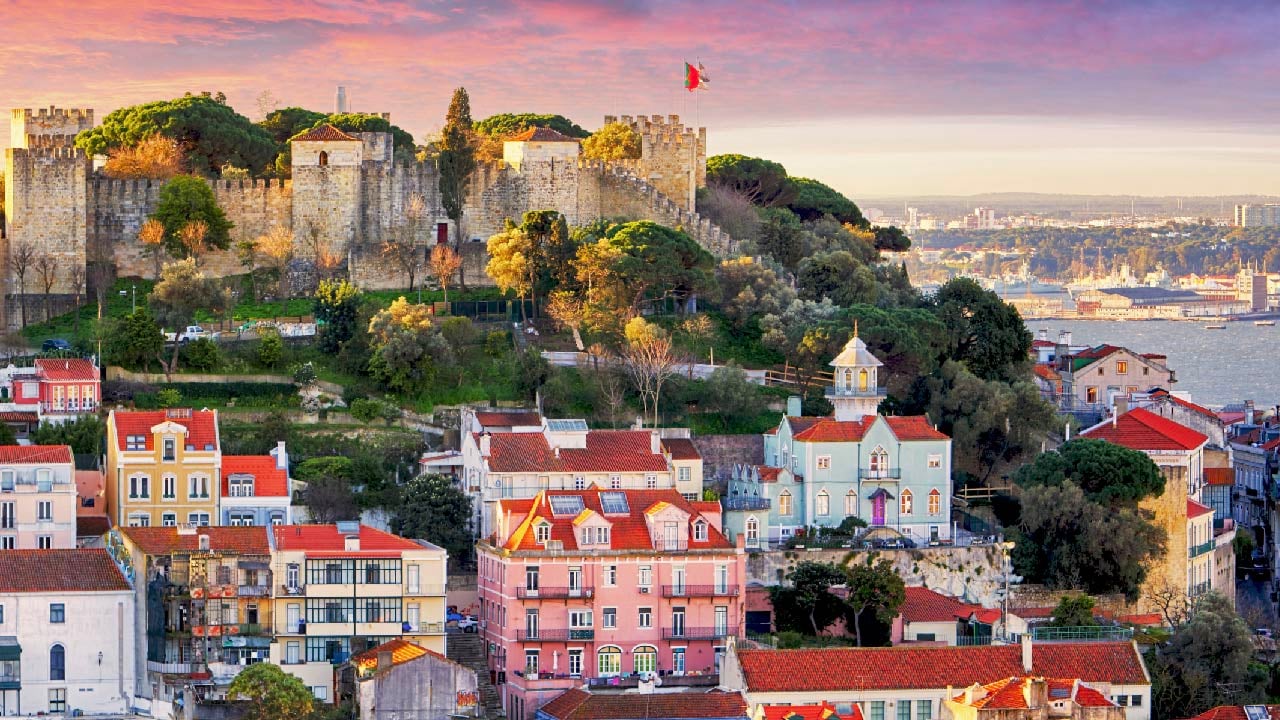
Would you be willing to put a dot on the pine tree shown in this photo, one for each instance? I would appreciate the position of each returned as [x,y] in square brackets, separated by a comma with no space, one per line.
[457,161]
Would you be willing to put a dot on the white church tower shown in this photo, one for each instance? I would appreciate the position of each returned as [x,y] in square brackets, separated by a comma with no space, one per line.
[856,392]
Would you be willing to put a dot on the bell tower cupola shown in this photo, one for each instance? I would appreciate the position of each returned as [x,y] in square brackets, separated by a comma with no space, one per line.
[855,392]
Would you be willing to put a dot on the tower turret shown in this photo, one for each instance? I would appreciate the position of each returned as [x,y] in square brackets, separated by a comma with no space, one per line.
[856,390]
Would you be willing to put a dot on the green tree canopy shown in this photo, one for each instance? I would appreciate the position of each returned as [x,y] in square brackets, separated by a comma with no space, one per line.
[182,291]
[1074,610]
[209,132]
[986,334]
[814,199]
[873,586]
[84,434]
[134,340]
[764,182]
[337,306]
[808,598]
[1108,473]
[1208,662]
[838,276]
[272,693]
[457,158]
[892,238]
[781,236]
[284,123]
[185,199]
[504,124]
[366,122]
[656,261]
[433,508]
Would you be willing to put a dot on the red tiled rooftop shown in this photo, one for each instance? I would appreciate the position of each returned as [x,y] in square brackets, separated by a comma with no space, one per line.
[66,369]
[628,532]
[509,419]
[1199,409]
[92,525]
[18,416]
[925,605]
[825,711]
[402,651]
[326,538]
[768,474]
[606,451]
[1010,694]
[541,134]
[904,427]
[230,539]
[1220,476]
[34,454]
[324,133]
[1046,372]
[55,571]
[1195,509]
[201,425]
[268,480]
[1140,429]
[1234,712]
[578,704]
[905,668]
[681,449]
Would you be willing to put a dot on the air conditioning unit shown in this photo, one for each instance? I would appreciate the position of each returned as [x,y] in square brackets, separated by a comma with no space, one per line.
[644,591]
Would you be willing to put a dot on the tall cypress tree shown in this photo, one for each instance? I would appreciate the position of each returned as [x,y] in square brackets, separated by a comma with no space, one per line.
[457,162]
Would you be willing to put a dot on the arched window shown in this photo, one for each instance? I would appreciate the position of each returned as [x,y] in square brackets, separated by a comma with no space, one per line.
[753,532]
[822,504]
[850,503]
[609,661]
[879,462]
[57,663]
[848,379]
[862,380]
[324,158]
[935,502]
[906,505]
[784,503]
[644,659]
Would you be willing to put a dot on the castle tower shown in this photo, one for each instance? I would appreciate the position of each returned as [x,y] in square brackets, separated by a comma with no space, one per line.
[855,392]
[673,158]
[47,127]
[326,168]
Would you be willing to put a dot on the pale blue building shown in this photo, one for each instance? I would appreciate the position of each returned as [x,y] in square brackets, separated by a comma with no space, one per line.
[892,471]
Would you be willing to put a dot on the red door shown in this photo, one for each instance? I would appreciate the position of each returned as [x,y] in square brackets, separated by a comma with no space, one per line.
[442,233]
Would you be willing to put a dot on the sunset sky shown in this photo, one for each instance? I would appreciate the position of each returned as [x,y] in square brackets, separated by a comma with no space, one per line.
[876,98]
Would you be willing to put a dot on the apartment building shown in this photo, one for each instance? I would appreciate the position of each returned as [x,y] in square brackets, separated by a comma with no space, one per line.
[50,389]
[66,634]
[566,455]
[37,497]
[163,467]
[346,588]
[606,587]
[256,489]
[203,599]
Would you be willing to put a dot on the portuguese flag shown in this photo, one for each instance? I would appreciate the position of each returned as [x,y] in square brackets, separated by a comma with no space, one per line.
[695,78]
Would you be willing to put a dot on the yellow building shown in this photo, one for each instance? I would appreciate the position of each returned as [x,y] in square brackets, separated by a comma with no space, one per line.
[163,467]
[345,588]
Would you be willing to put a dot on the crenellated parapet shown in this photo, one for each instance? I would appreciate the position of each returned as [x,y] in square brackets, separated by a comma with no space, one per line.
[45,123]
[672,156]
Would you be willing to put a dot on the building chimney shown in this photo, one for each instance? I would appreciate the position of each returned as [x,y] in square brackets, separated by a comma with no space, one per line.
[384,660]
[794,406]
[1026,653]
[484,444]
[1121,404]
[351,543]
[204,543]
[281,455]
[1066,338]
[655,443]
[557,451]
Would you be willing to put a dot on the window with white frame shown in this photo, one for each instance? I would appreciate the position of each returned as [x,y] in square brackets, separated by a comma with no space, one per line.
[169,487]
[6,481]
[542,532]
[850,503]
[240,485]
[602,536]
[645,576]
[44,480]
[822,504]
[135,442]
[198,518]
[44,510]
[784,503]
[610,575]
[699,530]
[935,502]
[169,519]
[907,506]
[139,487]
[170,449]
[651,482]
[609,617]
[684,473]
[139,519]
[935,461]
[824,462]
[580,618]
[197,487]
[44,542]
[579,483]
[615,482]
[644,617]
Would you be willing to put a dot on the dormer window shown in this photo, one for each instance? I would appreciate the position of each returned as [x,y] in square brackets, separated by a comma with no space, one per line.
[602,536]
[700,530]
[170,449]
[135,442]
[542,532]
[240,485]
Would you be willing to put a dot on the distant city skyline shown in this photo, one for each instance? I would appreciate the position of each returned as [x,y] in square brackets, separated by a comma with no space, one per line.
[876,98]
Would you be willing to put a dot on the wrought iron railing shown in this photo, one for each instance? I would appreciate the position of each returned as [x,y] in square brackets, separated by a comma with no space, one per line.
[544,592]
[694,633]
[672,591]
[555,634]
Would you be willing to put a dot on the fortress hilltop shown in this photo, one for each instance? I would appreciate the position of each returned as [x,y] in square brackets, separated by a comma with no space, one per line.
[348,195]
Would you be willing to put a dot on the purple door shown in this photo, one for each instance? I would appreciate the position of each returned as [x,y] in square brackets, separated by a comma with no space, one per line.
[877,509]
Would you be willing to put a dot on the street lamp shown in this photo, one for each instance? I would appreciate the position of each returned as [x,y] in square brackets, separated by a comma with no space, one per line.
[134,290]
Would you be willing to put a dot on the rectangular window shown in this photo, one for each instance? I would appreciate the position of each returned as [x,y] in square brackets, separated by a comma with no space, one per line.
[198,518]
[575,663]
[44,510]
[45,542]
[1122,367]
[579,483]
[8,516]
[904,710]
[615,482]
[645,618]
[877,710]
[699,531]
[197,487]
[8,542]
[646,576]
[1,614]
[580,619]
[924,709]
[1135,700]
[677,660]
[651,482]
[609,618]
[602,536]
[320,692]
[170,488]
[57,613]
[170,449]
[722,621]
[57,700]
[935,461]
[531,578]
[44,481]
[926,637]
[824,462]
[610,575]
[1091,395]
[684,474]
[292,652]
[1122,700]
[135,442]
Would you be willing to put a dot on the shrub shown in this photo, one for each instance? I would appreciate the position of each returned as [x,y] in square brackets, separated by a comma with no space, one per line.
[304,374]
[271,349]
[790,640]
[168,397]
[365,410]
[202,354]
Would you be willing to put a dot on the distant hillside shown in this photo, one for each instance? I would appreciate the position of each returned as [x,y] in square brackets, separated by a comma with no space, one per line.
[1017,203]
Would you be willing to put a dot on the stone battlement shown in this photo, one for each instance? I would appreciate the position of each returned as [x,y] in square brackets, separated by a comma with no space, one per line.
[48,141]
[57,152]
[52,113]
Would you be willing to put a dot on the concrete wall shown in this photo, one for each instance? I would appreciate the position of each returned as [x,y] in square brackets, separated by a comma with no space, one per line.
[720,452]
[428,687]
[972,574]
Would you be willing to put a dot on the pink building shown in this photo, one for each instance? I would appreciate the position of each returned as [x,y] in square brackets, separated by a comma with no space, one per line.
[54,390]
[37,497]
[606,587]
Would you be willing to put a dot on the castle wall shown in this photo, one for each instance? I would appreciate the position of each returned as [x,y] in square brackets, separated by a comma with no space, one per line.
[45,198]
[326,198]
[673,158]
[50,126]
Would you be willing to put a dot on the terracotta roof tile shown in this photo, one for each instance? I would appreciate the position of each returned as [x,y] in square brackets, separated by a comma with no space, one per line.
[18,416]
[578,704]
[1195,509]
[1234,712]
[913,427]
[92,525]
[628,532]
[925,605]
[904,427]
[509,419]
[541,134]
[606,451]
[326,538]
[1220,476]
[34,454]
[201,425]
[402,651]
[1011,694]
[52,571]
[268,480]
[231,539]
[903,668]
[324,133]
[63,369]
[681,449]
[1140,429]
[825,711]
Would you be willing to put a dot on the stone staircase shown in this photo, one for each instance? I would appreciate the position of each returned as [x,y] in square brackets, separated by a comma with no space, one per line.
[468,649]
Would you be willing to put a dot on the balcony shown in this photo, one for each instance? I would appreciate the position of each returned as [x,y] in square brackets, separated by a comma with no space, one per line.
[1199,589]
[543,592]
[669,679]
[555,634]
[254,590]
[745,503]
[880,474]
[175,668]
[295,591]
[436,628]
[837,392]
[1198,550]
[690,591]
[694,633]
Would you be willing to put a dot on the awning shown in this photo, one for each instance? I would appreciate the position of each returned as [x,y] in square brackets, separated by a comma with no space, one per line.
[878,492]
[9,648]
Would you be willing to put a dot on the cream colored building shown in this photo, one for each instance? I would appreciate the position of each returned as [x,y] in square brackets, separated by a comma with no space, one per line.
[342,589]
[37,497]
[163,467]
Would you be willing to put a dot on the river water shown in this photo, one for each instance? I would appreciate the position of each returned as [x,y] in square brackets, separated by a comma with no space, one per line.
[1215,367]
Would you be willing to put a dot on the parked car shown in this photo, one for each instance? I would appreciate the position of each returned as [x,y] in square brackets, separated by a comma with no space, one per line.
[192,332]
[469,624]
[55,345]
